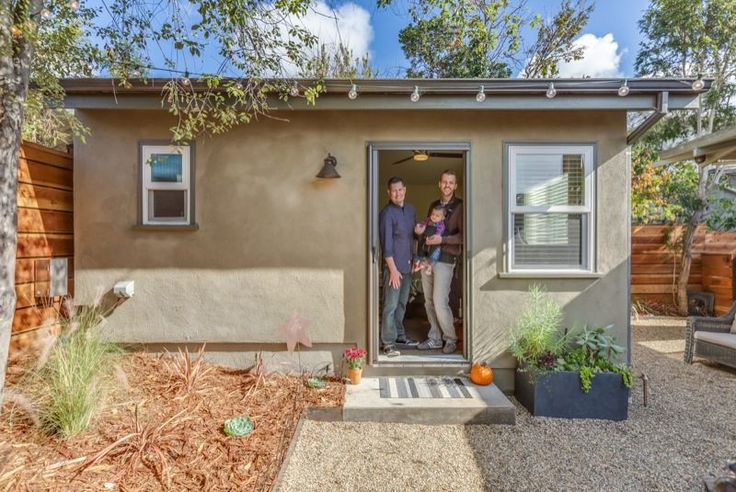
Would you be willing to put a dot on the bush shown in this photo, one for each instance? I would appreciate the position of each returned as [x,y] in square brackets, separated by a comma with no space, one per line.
[539,344]
[537,333]
[74,376]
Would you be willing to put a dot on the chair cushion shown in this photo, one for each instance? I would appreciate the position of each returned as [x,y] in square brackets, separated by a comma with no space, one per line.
[723,339]
[733,325]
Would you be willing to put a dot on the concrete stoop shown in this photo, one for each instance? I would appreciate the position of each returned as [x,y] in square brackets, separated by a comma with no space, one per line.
[488,405]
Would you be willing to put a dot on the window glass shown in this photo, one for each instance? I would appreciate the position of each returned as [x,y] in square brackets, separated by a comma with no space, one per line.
[167,204]
[548,239]
[166,168]
[549,179]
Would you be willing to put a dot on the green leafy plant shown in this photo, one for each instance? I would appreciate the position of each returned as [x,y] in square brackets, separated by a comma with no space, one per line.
[541,345]
[593,351]
[238,426]
[536,337]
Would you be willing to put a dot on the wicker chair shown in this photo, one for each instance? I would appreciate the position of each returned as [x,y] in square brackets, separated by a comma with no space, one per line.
[707,349]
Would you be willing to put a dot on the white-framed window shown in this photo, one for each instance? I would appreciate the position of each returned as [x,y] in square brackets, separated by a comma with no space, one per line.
[166,184]
[551,217]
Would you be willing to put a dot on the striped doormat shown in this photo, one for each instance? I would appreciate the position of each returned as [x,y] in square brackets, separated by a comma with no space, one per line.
[424,387]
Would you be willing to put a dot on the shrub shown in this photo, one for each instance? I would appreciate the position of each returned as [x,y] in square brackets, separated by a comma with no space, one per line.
[75,373]
[537,333]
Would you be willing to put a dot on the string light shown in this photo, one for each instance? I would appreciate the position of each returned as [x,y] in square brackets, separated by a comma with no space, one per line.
[415,95]
[294,90]
[623,91]
[185,80]
[15,31]
[698,84]
[551,91]
[46,13]
[481,96]
[353,92]
[74,4]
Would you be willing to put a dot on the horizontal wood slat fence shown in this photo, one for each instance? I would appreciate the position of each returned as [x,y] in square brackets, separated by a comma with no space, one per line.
[654,268]
[45,231]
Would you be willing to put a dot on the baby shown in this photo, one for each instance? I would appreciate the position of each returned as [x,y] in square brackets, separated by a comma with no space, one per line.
[427,255]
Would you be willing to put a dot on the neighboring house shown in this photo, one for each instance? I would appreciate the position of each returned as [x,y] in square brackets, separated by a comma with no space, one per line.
[717,149]
[227,237]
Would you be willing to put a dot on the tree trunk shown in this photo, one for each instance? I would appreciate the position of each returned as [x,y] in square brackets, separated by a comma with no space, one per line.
[686,260]
[15,69]
[686,256]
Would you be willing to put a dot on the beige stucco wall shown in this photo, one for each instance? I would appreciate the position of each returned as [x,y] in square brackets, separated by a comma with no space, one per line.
[273,240]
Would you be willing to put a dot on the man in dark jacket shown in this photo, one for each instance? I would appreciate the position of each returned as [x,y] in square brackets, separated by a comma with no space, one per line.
[436,285]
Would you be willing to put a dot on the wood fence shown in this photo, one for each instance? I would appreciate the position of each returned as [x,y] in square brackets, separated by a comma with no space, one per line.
[654,267]
[45,231]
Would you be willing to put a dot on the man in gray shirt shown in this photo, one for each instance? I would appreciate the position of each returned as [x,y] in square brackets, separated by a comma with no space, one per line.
[396,233]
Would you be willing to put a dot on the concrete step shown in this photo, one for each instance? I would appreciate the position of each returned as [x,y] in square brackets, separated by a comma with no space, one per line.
[487,405]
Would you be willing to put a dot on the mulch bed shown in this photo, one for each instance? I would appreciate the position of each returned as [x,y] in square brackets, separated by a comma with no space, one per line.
[162,430]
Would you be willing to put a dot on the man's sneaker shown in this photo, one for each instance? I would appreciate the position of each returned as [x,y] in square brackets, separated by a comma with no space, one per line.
[430,344]
[390,351]
[407,341]
[450,347]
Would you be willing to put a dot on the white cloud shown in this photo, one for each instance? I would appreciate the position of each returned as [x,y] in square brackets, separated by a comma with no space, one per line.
[349,25]
[601,58]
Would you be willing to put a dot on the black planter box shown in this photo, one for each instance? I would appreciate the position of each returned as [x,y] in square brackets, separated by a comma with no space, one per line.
[558,394]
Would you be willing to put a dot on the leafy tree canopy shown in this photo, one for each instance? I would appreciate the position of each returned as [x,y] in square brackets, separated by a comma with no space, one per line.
[470,39]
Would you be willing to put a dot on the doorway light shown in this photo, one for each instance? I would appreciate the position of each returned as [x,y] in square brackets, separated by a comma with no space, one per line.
[420,155]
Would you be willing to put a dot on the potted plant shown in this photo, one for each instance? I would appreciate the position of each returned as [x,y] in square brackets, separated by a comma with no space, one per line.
[562,374]
[355,360]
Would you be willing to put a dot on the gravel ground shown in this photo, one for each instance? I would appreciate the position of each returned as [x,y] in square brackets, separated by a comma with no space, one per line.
[686,434]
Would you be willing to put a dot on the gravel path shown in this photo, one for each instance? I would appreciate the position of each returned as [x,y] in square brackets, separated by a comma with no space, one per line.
[687,433]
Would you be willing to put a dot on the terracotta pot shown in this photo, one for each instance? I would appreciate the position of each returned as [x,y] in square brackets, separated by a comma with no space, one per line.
[355,375]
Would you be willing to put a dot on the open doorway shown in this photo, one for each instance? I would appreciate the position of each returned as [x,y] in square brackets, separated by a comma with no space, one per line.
[420,166]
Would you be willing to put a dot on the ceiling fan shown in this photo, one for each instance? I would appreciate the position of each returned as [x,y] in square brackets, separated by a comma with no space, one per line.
[423,155]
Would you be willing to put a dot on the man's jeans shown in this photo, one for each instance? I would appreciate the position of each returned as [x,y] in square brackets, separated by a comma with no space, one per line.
[437,301]
[394,308]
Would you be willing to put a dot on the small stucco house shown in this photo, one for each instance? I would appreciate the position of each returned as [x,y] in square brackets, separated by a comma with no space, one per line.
[228,237]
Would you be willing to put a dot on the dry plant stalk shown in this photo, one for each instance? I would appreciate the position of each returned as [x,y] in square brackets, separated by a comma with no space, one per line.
[253,377]
[148,445]
[188,374]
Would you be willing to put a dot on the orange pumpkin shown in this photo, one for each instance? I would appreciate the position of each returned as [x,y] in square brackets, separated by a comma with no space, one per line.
[481,374]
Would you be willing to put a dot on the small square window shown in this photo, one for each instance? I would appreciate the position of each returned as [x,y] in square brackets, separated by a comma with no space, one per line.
[166,194]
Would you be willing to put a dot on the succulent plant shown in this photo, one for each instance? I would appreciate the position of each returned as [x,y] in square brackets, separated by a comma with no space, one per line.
[238,426]
[317,383]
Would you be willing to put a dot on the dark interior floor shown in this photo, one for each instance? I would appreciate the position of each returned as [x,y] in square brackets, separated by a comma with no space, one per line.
[417,327]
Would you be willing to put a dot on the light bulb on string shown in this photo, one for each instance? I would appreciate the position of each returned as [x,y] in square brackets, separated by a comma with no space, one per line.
[46,13]
[74,4]
[415,95]
[481,95]
[353,92]
[294,91]
[551,91]
[624,90]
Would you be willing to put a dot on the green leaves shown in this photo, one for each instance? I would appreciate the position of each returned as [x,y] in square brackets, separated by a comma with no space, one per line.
[471,39]
[537,331]
[238,426]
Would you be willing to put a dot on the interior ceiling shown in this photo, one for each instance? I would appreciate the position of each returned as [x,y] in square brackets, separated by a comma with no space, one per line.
[418,172]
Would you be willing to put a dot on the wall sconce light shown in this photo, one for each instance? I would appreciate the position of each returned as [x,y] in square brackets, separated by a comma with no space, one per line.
[328,170]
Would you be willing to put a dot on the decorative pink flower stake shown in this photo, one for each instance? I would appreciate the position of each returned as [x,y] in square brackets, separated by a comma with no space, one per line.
[295,331]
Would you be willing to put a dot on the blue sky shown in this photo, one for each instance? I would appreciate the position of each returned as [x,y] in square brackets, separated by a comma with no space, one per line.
[610,39]
[617,17]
